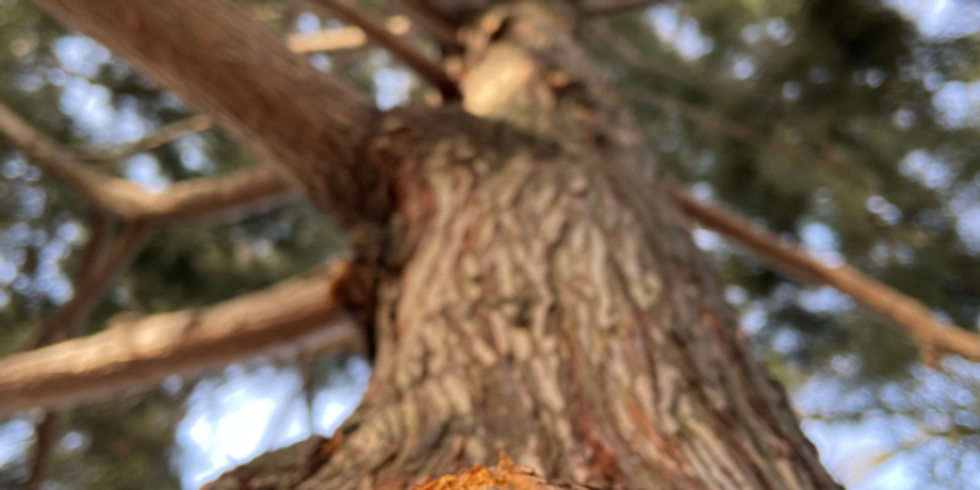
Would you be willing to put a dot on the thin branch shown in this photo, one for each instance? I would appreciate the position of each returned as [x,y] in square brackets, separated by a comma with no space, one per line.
[691,76]
[294,316]
[444,33]
[344,38]
[95,258]
[719,123]
[44,435]
[430,71]
[686,74]
[614,8]
[193,200]
[162,136]
[92,286]
[902,311]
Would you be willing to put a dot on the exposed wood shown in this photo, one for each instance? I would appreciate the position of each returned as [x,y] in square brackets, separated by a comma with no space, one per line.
[137,355]
[348,37]
[901,310]
[411,56]
[194,200]
[506,474]
[235,70]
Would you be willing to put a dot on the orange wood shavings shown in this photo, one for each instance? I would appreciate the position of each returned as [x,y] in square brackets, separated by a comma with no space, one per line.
[507,475]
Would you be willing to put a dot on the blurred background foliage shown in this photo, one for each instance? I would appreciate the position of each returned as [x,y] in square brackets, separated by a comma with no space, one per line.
[847,126]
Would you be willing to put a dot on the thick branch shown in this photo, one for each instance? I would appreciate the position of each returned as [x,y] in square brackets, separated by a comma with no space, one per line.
[398,47]
[903,311]
[236,71]
[203,199]
[350,37]
[295,315]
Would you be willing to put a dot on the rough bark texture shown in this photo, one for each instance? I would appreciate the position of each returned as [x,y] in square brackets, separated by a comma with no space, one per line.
[547,301]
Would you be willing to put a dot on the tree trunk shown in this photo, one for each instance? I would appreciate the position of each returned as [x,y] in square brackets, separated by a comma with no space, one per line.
[550,304]
[537,293]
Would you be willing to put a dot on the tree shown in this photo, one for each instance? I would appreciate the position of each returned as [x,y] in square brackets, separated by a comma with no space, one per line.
[519,264]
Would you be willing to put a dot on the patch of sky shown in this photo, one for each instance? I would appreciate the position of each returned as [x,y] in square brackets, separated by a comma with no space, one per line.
[89,105]
[743,66]
[233,419]
[192,154]
[928,169]
[680,33]
[80,55]
[957,104]
[940,20]
[888,212]
[822,242]
[144,170]
[307,22]
[824,299]
[391,87]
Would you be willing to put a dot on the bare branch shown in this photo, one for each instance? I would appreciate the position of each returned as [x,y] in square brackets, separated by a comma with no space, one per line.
[294,316]
[719,123]
[620,7]
[224,198]
[349,37]
[902,311]
[194,200]
[67,322]
[686,74]
[164,135]
[398,47]
[91,285]
[44,435]
[238,72]
[94,259]
[440,30]
[691,76]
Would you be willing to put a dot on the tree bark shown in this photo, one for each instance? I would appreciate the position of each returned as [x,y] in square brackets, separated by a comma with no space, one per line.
[540,295]
[552,305]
